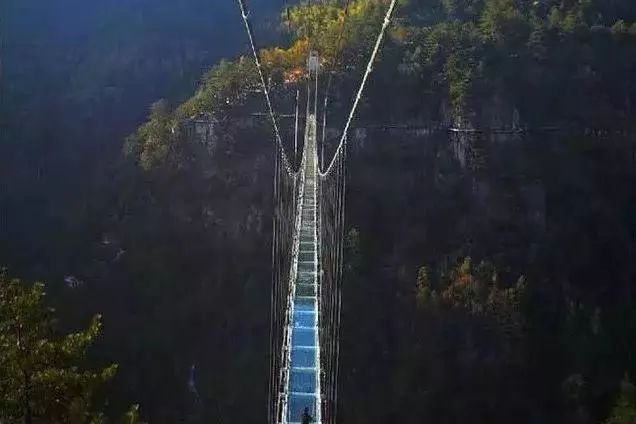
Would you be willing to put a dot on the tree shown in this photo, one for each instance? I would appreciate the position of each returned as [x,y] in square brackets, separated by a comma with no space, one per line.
[502,21]
[624,410]
[40,375]
[157,135]
[478,291]
[423,287]
[462,9]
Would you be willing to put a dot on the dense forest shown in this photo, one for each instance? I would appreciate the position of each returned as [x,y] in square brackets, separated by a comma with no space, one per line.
[491,212]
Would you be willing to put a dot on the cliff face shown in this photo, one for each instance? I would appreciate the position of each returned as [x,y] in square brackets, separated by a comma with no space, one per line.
[196,258]
[177,258]
[197,240]
[491,177]
[179,263]
[542,204]
[202,129]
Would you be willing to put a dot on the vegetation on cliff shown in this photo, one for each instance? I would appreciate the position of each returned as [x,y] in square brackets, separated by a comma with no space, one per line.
[342,38]
[488,63]
[173,242]
[41,374]
[552,60]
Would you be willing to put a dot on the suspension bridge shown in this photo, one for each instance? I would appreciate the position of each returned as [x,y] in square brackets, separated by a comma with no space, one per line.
[307,254]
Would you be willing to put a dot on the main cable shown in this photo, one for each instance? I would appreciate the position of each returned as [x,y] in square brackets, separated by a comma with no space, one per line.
[250,35]
[337,59]
[385,24]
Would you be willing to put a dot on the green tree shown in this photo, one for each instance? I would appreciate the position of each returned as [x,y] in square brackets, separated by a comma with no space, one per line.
[502,21]
[624,410]
[151,143]
[157,135]
[40,375]
[423,286]
[462,9]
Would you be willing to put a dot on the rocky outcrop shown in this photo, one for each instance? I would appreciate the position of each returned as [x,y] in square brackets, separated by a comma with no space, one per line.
[203,129]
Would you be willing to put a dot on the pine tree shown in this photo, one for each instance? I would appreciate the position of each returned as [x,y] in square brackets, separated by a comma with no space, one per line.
[423,287]
[40,375]
[624,411]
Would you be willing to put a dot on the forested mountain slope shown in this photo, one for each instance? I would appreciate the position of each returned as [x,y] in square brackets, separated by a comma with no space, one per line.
[490,209]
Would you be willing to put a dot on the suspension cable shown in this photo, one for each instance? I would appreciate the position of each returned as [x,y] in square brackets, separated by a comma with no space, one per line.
[270,109]
[385,24]
[337,59]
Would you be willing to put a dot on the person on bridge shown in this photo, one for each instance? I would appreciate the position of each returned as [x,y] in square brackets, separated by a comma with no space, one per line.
[307,418]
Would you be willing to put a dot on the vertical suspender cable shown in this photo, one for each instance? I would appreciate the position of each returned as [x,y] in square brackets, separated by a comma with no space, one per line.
[322,143]
[273,299]
[339,290]
[316,93]
[296,129]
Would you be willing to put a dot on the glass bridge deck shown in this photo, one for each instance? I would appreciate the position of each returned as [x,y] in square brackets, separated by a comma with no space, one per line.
[304,384]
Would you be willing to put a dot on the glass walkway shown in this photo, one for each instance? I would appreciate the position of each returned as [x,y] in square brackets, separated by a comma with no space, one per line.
[303,389]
